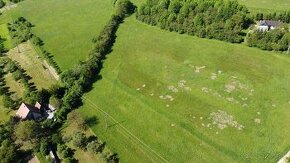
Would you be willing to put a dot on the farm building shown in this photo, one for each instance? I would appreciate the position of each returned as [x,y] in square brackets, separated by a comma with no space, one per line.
[265,25]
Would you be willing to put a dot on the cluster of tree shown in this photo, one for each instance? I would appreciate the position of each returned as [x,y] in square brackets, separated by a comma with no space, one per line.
[8,101]
[281,16]
[9,151]
[19,74]
[93,145]
[20,31]
[218,19]
[277,39]
[65,152]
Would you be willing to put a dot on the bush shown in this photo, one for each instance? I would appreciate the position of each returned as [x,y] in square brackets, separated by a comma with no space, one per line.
[8,102]
[278,39]
[17,75]
[80,140]
[44,148]
[94,147]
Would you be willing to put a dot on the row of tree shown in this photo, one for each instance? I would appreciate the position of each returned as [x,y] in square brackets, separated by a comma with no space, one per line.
[280,16]
[277,39]
[16,1]
[218,19]
[20,31]
[19,75]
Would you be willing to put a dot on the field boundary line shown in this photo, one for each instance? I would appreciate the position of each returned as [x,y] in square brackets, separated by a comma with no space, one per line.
[130,133]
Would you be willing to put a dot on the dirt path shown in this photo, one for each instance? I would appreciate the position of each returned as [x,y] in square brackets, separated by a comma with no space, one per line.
[51,70]
[285,159]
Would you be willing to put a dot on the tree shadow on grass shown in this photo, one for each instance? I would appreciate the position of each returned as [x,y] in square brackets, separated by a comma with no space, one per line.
[91,121]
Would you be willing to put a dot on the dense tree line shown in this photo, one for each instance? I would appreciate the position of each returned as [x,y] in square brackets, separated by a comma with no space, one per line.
[20,31]
[280,16]
[277,39]
[16,1]
[218,19]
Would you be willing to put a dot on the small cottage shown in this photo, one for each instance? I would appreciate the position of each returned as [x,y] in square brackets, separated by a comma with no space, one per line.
[265,25]
[29,112]
[36,112]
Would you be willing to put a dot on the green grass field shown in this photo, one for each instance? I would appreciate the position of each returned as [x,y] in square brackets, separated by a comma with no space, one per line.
[144,125]
[267,5]
[67,26]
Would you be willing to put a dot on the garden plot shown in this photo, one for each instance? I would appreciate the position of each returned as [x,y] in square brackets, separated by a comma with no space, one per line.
[34,66]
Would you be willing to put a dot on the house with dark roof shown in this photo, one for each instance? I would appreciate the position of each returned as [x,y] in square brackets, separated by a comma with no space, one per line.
[265,25]
[29,112]
[36,112]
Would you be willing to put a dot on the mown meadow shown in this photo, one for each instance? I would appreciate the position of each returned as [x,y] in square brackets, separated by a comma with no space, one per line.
[165,97]
[266,5]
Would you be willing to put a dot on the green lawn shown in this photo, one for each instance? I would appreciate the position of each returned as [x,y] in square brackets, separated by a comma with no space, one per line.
[4,33]
[66,26]
[267,5]
[143,127]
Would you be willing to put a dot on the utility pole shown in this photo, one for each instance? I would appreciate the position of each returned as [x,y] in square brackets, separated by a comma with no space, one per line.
[106,121]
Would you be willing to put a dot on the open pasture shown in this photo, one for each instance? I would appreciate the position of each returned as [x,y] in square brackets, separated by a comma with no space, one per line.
[177,98]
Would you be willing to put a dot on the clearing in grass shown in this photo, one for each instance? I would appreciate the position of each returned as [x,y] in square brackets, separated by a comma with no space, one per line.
[180,98]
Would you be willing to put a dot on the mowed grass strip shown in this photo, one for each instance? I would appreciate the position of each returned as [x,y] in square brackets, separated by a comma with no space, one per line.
[4,33]
[67,26]
[146,60]
[32,64]
[266,5]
